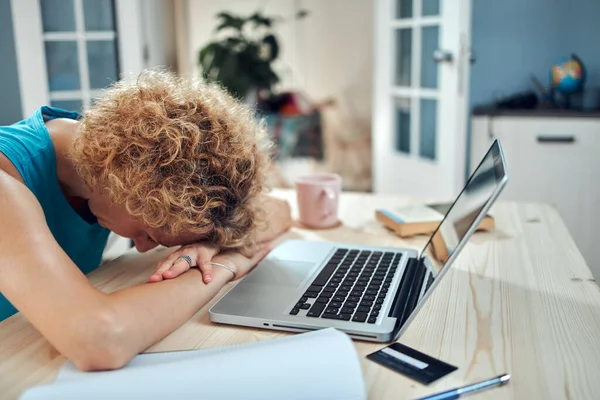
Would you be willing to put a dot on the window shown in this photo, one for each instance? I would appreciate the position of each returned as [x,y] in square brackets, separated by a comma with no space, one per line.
[80,46]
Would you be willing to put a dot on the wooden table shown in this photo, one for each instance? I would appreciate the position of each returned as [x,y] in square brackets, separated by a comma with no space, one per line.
[519,300]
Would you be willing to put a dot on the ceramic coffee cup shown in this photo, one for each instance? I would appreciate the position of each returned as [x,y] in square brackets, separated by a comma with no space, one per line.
[318,199]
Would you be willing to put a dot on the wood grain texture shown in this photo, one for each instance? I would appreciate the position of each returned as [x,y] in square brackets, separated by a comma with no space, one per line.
[519,299]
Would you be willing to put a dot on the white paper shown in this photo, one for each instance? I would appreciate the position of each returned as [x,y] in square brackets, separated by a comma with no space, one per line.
[316,365]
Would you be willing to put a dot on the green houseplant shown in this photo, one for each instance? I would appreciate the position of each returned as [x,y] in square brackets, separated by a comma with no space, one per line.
[241,57]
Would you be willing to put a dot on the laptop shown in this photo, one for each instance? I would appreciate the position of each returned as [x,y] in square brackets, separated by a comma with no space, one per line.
[370,293]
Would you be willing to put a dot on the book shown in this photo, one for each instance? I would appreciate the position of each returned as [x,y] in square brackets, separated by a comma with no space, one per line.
[317,365]
[420,219]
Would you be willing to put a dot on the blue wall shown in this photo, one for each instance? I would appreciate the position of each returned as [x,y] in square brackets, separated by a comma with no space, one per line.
[581,26]
[10,102]
[514,38]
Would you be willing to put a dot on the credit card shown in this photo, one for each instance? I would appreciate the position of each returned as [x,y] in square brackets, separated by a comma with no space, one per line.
[411,363]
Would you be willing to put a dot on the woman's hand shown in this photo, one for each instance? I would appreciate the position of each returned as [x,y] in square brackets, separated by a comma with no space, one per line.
[171,267]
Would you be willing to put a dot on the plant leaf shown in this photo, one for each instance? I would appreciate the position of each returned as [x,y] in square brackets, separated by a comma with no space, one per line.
[205,59]
[235,61]
[230,21]
[259,20]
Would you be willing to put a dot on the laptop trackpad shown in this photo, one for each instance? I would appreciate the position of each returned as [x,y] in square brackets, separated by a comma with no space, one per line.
[281,272]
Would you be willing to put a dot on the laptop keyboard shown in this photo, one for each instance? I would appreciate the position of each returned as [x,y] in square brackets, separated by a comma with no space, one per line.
[352,286]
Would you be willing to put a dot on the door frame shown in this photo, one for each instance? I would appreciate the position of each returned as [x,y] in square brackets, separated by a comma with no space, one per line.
[30,53]
[384,154]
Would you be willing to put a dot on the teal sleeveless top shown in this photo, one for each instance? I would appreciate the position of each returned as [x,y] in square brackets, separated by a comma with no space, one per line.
[28,146]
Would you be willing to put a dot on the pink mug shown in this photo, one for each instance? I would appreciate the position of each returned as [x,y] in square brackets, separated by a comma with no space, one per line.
[318,198]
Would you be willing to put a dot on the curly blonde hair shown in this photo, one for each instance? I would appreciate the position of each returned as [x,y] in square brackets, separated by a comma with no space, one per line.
[181,155]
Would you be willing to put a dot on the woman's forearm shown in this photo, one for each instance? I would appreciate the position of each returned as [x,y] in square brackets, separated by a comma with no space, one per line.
[144,314]
[95,330]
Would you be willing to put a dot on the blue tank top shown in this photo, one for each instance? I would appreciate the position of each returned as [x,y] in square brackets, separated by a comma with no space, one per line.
[28,146]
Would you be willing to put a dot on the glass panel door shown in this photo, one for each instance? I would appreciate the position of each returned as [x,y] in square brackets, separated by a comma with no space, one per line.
[80,43]
[416,34]
[420,105]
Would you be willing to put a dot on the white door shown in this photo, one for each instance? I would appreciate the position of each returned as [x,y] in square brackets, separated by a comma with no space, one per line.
[69,50]
[420,99]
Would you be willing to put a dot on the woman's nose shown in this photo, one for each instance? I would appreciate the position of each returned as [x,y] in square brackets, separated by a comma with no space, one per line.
[143,245]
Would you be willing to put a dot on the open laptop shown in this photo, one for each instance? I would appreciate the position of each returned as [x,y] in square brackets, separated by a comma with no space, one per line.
[371,293]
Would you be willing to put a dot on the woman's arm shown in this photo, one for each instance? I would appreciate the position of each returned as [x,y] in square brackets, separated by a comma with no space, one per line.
[278,220]
[94,330]
[278,216]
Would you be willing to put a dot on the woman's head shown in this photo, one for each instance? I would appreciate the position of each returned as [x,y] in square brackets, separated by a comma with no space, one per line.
[177,158]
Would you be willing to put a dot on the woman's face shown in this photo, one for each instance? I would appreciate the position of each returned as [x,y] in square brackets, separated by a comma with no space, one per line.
[117,220]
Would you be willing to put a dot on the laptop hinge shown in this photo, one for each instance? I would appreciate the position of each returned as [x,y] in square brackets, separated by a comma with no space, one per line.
[407,295]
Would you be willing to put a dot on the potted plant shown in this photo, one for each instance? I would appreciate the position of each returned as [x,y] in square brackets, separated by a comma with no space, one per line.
[241,57]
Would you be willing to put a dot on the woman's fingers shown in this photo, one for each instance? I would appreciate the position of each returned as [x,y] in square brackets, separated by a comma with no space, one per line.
[164,266]
[174,265]
[206,269]
[179,267]
[157,274]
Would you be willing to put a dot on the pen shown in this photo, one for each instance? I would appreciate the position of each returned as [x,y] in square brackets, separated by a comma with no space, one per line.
[475,387]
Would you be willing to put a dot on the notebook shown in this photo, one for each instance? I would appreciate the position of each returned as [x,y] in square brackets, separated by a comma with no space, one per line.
[317,365]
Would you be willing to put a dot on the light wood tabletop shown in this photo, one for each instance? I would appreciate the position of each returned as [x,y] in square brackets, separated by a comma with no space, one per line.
[519,299]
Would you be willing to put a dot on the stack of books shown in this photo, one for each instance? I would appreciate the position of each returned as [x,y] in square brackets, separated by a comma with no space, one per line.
[420,219]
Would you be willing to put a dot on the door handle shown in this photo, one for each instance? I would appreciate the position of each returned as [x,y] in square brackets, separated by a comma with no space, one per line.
[555,139]
[472,56]
[442,56]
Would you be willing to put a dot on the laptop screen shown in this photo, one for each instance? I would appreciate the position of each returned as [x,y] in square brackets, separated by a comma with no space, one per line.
[480,188]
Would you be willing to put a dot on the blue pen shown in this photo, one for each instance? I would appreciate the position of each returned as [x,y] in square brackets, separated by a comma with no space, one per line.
[476,387]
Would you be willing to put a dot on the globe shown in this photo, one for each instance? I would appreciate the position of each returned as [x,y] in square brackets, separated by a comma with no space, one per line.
[567,76]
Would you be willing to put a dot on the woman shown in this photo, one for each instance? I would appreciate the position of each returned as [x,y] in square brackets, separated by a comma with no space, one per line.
[159,160]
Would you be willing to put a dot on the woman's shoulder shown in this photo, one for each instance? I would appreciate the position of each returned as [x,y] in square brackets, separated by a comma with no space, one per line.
[39,129]
[61,126]
[27,150]
[62,131]
[18,142]
[36,138]
[25,138]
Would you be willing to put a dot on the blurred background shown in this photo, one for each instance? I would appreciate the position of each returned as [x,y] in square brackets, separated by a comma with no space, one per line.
[397,96]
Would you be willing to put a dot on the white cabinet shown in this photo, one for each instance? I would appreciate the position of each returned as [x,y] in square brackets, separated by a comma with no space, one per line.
[552,159]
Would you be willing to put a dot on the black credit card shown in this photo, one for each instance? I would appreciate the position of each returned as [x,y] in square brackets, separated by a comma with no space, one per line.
[412,363]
